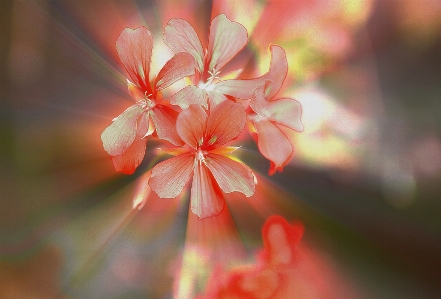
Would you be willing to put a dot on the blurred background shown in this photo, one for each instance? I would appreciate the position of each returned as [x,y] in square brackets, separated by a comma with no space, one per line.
[364,180]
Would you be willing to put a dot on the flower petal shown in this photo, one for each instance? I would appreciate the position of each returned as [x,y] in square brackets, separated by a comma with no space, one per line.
[226,39]
[280,240]
[134,47]
[273,144]
[215,98]
[259,102]
[175,151]
[206,197]
[225,150]
[132,157]
[190,125]
[277,71]
[229,75]
[241,89]
[179,66]
[120,134]
[180,36]
[164,119]
[170,176]
[190,95]
[145,126]
[231,175]
[285,111]
[136,93]
[225,122]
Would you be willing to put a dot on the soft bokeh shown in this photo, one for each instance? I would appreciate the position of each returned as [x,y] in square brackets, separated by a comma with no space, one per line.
[364,179]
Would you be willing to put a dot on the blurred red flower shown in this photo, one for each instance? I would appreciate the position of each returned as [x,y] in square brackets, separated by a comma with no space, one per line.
[268,278]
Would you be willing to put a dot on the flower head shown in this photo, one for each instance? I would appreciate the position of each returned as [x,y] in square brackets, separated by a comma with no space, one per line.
[226,39]
[205,159]
[272,116]
[124,140]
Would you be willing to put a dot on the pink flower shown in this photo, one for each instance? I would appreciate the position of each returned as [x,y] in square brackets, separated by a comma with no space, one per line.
[124,140]
[272,116]
[226,39]
[212,171]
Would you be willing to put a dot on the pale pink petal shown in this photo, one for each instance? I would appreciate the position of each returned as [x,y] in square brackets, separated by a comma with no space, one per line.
[225,122]
[164,119]
[277,72]
[179,66]
[241,89]
[191,125]
[259,102]
[226,39]
[170,176]
[285,111]
[145,126]
[215,98]
[231,175]
[206,197]
[273,144]
[180,36]
[120,134]
[134,47]
[132,157]
[190,95]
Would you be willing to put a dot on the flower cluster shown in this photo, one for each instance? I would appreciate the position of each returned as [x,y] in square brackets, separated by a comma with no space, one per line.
[204,116]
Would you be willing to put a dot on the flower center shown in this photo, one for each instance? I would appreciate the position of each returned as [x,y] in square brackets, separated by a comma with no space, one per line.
[255,117]
[200,155]
[147,103]
[208,85]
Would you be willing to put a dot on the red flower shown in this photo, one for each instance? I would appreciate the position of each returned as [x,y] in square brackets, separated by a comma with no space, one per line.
[270,277]
[272,116]
[124,140]
[226,39]
[212,171]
